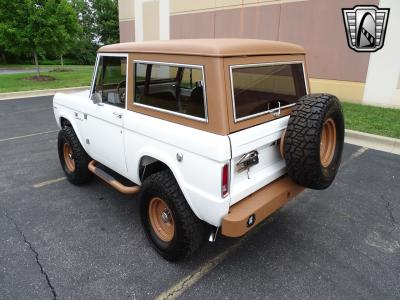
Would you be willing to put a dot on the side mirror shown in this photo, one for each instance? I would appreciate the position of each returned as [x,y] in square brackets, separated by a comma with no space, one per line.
[96,98]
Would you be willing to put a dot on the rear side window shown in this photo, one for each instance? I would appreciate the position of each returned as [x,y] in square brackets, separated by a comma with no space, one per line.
[265,88]
[178,89]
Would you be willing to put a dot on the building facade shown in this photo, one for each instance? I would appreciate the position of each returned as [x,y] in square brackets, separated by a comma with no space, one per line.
[317,25]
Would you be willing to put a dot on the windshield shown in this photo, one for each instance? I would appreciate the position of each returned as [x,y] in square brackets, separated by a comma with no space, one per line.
[265,88]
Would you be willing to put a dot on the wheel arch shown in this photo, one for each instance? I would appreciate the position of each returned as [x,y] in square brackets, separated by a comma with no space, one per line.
[158,162]
[65,121]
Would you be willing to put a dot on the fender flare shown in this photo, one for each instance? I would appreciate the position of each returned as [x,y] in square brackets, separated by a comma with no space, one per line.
[169,162]
[72,121]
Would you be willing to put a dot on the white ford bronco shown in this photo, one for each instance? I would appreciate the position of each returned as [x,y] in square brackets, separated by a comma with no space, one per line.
[214,135]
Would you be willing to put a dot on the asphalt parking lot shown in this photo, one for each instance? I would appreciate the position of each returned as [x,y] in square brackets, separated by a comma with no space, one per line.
[67,242]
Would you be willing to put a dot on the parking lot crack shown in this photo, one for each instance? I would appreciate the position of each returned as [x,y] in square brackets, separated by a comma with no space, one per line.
[174,293]
[33,250]
[389,209]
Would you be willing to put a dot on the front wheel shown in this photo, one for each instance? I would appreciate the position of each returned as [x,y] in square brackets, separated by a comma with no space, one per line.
[73,158]
[169,222]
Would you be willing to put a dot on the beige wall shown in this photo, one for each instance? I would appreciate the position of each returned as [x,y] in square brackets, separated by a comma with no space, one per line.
[307,23]
[126,10]
[317,25]
[126,31]
[151,21]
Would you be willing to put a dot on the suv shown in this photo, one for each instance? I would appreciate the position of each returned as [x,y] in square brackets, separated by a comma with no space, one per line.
[213,134]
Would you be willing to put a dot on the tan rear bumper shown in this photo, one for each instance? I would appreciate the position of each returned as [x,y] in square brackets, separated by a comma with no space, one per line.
[260,204]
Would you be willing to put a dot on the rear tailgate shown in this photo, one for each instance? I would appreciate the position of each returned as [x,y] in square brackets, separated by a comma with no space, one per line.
[264,139]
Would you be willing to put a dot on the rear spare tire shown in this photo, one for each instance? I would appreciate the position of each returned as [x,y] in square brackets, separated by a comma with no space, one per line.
[313,142]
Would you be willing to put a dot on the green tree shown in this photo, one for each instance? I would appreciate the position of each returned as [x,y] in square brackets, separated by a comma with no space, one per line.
[106,20]
[85,45]
[7,19]
[38,27]
[66,28]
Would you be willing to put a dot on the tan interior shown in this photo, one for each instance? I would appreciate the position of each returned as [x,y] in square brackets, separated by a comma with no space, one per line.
[261,204]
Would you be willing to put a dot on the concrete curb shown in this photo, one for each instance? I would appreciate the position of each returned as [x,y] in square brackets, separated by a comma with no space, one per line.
[372,141]
[38,93]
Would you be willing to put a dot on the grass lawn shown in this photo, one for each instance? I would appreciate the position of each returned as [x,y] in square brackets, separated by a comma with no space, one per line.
[77,76]
[372,119]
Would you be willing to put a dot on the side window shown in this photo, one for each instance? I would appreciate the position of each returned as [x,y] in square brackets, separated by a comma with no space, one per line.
[110,83]
[174,88]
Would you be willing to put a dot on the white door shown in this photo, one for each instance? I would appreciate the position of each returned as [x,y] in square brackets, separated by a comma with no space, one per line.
[105,119]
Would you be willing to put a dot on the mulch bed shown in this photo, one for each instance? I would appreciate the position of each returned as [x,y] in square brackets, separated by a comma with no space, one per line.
[40,78]
[60,70]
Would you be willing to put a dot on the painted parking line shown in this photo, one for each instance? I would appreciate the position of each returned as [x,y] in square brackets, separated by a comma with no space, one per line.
[191,279]
[28,135]
[188,281]
[356,154]
[48,182]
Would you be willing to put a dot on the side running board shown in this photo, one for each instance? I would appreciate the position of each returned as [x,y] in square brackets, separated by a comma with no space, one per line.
[128,190]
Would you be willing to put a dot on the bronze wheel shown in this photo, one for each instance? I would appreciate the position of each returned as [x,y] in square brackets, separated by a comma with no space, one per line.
[68,157]
[161,219]
[170,224]
[328,142]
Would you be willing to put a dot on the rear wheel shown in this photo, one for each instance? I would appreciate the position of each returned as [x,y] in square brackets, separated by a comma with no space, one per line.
[168,220]
[73,158]
[313,141]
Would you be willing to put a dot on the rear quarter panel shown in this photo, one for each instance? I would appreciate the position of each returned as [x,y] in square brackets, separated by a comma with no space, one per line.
[198,174]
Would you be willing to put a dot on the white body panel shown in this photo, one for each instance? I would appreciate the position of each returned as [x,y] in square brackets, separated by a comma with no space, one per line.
[136,136]
[103,126]
[262,138]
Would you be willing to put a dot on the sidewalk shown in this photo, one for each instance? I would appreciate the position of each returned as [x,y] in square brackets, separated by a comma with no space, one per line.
[372,141]
[38,93]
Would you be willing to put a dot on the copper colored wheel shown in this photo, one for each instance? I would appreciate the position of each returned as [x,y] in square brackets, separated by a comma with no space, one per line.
[68,157]
[328,142]
[161,219]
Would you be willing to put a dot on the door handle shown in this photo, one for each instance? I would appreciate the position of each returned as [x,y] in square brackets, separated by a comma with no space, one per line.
[117,114]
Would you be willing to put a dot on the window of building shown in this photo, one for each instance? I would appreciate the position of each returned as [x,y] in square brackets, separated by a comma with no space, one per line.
[178,89]
[260,89]
[110,82]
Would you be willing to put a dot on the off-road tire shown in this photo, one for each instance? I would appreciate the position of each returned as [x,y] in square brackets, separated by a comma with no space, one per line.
[302,141]
[80,174]
[189,231]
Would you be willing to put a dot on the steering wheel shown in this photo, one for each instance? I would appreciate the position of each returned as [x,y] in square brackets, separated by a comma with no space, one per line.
[121,90]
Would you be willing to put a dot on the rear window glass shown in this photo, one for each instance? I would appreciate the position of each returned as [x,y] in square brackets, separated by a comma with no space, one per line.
[177,89]
[261,89]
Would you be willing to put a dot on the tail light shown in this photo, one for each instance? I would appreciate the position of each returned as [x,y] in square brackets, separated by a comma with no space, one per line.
[225,181]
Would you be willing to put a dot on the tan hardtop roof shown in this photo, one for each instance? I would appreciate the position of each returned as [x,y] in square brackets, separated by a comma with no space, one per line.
[207,47]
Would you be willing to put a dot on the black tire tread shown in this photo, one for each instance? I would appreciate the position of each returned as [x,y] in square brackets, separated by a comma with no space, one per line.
[302,140]
[81,174]
[191,230]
